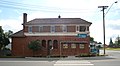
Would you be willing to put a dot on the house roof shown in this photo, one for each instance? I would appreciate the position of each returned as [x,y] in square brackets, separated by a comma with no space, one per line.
[45,21]
[18,34]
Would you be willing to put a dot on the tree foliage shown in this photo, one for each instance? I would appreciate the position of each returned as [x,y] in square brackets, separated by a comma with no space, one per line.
[110,43]
[91,39]
[4,40]
[8,34]
[35,45]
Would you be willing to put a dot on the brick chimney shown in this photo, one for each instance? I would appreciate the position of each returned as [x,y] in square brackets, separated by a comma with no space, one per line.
[24,20]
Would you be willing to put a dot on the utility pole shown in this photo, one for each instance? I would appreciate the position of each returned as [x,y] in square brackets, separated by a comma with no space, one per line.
[103,8]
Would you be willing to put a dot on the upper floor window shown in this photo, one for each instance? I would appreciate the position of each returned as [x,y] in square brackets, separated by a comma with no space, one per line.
[87,28]
[82,28]
[30,29]
[52,28]
[77,28]
[64,28]
[40,28]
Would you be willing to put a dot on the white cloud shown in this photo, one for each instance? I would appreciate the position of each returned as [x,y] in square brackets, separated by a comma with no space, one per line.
[75,4]
[85,9]
[11,24]
[97,30]
[82,6]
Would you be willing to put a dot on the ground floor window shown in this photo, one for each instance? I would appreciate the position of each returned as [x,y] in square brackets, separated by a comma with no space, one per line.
[73,45]
[55,44]
[81,46]
[65,46]
[50,45]
[44,43]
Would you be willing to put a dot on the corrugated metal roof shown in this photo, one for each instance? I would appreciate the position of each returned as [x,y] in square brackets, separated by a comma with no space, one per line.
[57,21]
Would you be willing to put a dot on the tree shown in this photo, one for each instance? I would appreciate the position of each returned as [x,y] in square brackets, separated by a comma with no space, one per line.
[111,43]
[4,40]
[117,42]
[34,46]
[9,33]
[91,39]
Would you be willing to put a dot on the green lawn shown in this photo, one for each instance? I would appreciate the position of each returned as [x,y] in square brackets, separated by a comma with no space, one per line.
[116,49]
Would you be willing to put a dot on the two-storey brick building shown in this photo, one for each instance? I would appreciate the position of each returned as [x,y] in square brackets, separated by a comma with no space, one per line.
[67,36]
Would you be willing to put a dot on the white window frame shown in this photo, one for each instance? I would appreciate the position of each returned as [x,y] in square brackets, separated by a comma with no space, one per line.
[30,29]
[77,28]
[64,28]
[40,28]
[52,29]
[87,28]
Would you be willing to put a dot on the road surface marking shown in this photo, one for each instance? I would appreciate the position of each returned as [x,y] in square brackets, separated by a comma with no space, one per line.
[72,63]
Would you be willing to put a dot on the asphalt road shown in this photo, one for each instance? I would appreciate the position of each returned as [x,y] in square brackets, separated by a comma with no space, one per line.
[112,60]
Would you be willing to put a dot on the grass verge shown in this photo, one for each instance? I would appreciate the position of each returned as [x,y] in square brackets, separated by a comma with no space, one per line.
[116,49]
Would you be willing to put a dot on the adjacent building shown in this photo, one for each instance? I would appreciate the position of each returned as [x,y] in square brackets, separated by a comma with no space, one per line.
[65,36]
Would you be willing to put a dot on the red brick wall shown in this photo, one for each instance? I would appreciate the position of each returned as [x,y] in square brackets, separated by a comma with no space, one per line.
[26,29]
[19,46]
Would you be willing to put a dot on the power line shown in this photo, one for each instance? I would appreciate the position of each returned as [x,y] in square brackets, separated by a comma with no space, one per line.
[38,6]
[111,6]
[21,6]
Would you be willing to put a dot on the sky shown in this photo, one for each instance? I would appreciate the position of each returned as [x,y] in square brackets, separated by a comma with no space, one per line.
[11,12]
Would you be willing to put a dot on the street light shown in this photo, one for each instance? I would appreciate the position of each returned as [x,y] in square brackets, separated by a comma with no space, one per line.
[111,6]
[103,8]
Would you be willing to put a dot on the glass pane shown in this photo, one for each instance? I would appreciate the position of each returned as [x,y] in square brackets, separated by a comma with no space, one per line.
[82,28]
[52,28]
[55,44]
[40,28]
[87,28]
[65,46]
[44,43]
[64,28]
[30,29]
[81,46]
[77,28]
[73,45]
